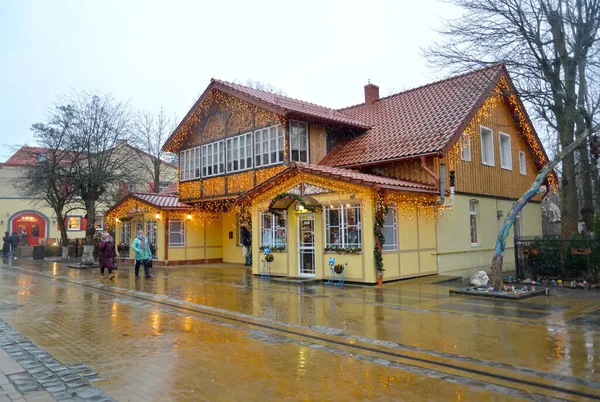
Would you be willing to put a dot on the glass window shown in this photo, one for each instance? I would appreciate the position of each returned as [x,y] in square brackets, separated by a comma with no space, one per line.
[125,232]
[473,222]
[176,233]
[342,225]
[522,163]
[390,230]
[465,147]
[273,229]
[99,223]
[189,164]
[505,152]
[298,141]
[487,146]
[213,156]
[268,145]
[73,223]
[239,152]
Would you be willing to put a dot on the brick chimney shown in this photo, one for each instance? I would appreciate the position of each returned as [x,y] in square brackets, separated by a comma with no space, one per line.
[371,93]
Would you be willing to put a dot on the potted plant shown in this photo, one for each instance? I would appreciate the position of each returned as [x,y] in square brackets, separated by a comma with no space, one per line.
[339,268]
[269,257]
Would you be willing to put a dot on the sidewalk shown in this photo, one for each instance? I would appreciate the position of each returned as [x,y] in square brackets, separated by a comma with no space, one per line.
[17,385]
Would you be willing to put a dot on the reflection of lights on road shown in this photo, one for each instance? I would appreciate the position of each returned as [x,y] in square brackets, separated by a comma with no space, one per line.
[114,310]
[187,323]
[301,366]
[155,321]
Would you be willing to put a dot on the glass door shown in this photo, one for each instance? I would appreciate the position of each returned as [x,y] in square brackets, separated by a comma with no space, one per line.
[306,245]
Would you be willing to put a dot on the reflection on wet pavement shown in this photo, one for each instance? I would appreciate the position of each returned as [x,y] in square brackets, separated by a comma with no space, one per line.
[217,333]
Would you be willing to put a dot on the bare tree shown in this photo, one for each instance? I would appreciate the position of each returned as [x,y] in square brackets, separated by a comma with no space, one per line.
[99,124]
[551,48]
[50,179]
[149,134]
[261,86]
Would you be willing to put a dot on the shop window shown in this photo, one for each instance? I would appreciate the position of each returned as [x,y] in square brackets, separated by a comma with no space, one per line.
[342,225]
[273,230]
[176,233]
[73,223]
[390,230]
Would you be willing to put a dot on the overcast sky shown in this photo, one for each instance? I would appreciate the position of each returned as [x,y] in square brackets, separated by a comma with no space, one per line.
[163,53]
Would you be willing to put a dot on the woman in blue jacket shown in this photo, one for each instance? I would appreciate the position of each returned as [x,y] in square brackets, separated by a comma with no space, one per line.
[142,253]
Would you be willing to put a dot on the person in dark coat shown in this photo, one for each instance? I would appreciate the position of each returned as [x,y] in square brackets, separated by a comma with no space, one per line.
[14,243]
[5,245]
[107,255]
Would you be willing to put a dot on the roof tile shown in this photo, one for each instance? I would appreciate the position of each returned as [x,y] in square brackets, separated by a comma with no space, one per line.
[161,200]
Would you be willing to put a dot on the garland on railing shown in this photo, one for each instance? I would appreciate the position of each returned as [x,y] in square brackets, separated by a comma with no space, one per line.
[276,249]
[381,210]
[295,197]
[343,250]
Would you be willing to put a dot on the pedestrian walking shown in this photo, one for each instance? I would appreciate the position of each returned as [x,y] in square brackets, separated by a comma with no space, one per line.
[143,255]
[107,255]
[14,243]
[5,245]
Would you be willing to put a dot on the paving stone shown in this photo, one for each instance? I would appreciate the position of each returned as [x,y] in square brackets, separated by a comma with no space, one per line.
[69,377]
[56,388]
[19,376]
[37,369]
[88,393]
[77,383]
[28,388]
[50,383]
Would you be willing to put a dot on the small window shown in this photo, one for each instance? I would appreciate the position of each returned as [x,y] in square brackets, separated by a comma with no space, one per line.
[465,147]
[176,233]
[390,230]
[73,223]
[298,141]
[522,163]
[99,223]
[273,230]
[505,152]
[473,222]
[487,146]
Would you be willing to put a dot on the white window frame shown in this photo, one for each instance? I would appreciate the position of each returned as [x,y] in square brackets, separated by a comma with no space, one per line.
[180,232]
[508,165]
[465,147]
[238,153]
[213,156]
[343,226]
[299,141]
[523,163]
[491,137]
[189,164]
[274,230]
[271,156]
[125,232]
[473,212]
[389,244]
[78,229]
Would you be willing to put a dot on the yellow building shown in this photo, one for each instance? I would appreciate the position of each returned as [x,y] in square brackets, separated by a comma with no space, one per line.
[416,182]
[37,219]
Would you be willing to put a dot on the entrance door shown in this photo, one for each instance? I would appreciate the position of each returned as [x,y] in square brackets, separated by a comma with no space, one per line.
[306,245]
[30,227]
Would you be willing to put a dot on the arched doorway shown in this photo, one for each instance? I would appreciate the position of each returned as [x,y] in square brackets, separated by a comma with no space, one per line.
[31,226]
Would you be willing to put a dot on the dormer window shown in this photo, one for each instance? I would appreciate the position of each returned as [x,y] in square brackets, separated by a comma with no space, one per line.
[298,141]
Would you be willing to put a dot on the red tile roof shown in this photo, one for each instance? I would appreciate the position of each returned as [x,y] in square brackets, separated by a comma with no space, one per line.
[291,104]
[173,188]
[28,156]
[341,174]
[161,201]
[420,121]
[362,178]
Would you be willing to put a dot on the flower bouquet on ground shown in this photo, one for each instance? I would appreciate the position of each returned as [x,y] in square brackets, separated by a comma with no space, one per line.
[339,268]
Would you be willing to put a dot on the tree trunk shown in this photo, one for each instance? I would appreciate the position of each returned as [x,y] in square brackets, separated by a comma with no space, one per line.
[587,189]
[87,257]
[65,253]
[569,203]
[497,279]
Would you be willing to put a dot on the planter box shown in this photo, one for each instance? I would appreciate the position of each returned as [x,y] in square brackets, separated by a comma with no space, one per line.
[472,291]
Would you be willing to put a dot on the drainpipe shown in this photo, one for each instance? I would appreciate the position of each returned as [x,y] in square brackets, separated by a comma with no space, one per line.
[442,201]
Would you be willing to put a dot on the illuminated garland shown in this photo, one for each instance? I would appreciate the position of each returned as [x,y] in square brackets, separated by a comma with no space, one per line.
[343,250]
[290,196]
[381,210]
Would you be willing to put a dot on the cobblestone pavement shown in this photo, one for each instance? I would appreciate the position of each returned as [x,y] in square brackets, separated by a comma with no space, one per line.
[217,333]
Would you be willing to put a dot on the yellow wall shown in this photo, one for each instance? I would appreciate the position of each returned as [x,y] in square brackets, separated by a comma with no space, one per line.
[232,251]
[456,255]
